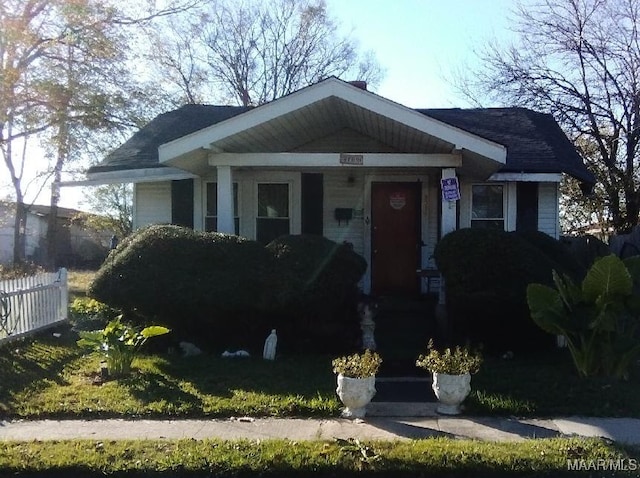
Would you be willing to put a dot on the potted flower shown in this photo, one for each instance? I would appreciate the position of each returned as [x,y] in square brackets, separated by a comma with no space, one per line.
[356,381]
[451,369]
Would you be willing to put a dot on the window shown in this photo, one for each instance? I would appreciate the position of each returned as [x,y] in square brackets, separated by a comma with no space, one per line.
[487,206]
[273,212]
[211,212]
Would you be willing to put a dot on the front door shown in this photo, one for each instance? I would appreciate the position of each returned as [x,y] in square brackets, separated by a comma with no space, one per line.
[395,238]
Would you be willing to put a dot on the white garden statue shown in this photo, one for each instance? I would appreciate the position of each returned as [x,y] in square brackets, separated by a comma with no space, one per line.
[269,352]
[367,309]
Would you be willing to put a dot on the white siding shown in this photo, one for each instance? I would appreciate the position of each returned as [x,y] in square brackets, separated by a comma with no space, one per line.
[346,141]
[152,203]
[548,221]
[430,225]
[339,193]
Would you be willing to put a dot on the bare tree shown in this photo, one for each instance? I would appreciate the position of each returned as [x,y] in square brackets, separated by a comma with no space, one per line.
[176,57]
[62,76]
[26,31]
[250,52]
[112,205]
[579,60]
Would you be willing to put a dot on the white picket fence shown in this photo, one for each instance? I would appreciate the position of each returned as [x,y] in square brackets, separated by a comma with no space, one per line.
[32,303]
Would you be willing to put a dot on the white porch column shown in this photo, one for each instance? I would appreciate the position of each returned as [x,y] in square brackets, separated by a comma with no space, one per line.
[449,208]
[225,200]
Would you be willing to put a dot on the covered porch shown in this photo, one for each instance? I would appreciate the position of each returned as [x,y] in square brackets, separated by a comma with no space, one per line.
[335,160]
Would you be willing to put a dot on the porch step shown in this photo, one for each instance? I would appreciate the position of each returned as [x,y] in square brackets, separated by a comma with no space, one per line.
[404,390]
[402,409]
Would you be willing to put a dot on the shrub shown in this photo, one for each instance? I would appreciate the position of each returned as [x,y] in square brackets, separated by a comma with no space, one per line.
[486,274]
[313,271]
[456,361]
[362,365]
[17,271]
[586,249]
[89,314]
[220,290]
[202,285]
[557,252]
[315,285]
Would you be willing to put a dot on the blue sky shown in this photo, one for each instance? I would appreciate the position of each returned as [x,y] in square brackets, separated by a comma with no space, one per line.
[422,42]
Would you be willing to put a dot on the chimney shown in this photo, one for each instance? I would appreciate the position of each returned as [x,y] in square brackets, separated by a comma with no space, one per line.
[359,84]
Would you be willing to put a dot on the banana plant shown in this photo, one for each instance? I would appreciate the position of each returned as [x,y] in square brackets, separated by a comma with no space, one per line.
[600,319]
[119,343]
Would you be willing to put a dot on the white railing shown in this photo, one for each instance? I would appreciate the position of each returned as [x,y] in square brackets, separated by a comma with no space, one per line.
[32,303]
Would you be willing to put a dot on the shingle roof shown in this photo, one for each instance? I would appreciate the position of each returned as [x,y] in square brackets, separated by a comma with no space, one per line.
[534,141]
[141,150]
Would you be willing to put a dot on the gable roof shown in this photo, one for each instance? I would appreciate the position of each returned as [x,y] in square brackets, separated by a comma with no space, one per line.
[320,110]
[534,142]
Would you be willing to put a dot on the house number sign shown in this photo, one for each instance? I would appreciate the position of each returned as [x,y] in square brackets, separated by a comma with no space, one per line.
[398,200]
[352,159]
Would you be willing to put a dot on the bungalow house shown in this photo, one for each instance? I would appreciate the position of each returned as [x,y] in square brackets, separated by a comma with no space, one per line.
[338,160]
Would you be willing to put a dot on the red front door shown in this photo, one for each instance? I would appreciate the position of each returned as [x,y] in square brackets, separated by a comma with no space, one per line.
[395,238]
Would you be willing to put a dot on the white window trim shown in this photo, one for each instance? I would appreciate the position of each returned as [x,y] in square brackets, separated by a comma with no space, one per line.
[274,177]
[505,204]
[256,207]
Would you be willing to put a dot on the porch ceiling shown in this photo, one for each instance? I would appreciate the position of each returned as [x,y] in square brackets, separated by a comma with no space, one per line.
[324,118]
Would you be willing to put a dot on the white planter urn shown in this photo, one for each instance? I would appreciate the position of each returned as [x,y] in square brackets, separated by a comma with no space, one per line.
[355,394]
[450,390]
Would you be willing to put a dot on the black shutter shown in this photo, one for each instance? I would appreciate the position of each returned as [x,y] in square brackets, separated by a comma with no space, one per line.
[312,198]
[527,210]
[182,202]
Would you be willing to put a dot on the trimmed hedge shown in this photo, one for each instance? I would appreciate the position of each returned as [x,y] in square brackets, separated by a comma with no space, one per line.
[557,252]
[486,274]
[315,280]
[220,290]
[191,282]
[314,271]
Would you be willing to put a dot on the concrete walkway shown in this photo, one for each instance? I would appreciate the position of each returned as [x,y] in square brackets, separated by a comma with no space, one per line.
[623,430]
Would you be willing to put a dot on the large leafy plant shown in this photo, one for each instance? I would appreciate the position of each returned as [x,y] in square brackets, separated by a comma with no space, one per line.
[120,343]
[599,319]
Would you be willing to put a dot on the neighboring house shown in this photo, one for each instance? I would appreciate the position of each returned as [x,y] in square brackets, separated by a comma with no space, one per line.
[77,246]
[337,160]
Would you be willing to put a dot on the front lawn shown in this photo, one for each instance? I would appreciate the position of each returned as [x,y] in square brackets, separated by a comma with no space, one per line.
[282,458]
[52,377]
[547,384]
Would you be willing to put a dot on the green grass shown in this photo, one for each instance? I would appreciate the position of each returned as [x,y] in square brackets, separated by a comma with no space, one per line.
[548,385]
[51,377]
[78,281]
[184,458]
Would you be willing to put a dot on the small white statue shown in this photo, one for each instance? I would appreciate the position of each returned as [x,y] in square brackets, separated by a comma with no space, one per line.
[269,352]
[367,310]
